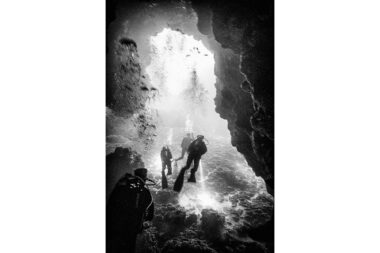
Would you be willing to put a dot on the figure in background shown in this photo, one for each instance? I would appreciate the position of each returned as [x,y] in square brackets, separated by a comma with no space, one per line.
[186,141]
[196,149]
[130,204]
[166,159]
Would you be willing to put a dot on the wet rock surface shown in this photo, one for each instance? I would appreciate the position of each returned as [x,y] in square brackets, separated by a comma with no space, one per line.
[235,210]
[227,210]
[235,217]
[124,79]
[186,245]
[247,27]
[212,224]
[147,241]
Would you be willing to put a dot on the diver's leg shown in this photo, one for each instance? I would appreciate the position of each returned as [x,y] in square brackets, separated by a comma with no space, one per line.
[169,164]
[193,170]
[196,164]
[190,159]
[163,167]
[164,181]
[179,181]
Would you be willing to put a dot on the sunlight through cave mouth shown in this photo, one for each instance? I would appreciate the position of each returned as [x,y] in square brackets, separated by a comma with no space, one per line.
[182,70]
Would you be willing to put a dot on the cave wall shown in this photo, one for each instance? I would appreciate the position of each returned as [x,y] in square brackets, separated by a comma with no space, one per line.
[247,27]
[246,30]
[124,81]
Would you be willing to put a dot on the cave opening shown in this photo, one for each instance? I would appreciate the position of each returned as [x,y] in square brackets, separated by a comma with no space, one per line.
[182,70]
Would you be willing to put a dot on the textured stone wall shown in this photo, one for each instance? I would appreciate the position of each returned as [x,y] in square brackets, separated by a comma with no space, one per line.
[247,28]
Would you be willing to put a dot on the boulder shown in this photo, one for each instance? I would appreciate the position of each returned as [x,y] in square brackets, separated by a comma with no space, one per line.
[212,224]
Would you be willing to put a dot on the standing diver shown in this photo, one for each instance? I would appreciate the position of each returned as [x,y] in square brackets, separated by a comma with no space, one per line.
[196,149]
[166,159]
[186,141]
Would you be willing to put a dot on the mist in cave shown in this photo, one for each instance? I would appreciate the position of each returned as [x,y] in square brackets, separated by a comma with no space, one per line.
[182,69]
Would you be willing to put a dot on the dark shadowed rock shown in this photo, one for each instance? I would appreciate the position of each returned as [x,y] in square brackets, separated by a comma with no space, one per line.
[147,241]
[212,224]
[236,244]
[191,219]
[185,245]
[165,196]
[170,220]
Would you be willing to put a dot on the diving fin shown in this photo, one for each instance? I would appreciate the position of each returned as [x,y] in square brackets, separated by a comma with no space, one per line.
[179,181]
[164,181]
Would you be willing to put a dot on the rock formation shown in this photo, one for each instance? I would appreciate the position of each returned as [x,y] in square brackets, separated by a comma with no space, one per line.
[247,27]
[186,245]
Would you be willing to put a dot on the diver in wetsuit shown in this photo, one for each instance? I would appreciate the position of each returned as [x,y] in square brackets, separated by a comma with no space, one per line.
[186,141]
[166,159]
[130,204]
[196,149]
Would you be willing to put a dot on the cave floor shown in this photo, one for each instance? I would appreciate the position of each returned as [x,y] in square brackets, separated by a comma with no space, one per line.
[227,197]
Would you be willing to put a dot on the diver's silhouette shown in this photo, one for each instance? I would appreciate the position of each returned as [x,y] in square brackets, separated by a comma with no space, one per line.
[130,204]
[186,141]
[196,149]
[166,159]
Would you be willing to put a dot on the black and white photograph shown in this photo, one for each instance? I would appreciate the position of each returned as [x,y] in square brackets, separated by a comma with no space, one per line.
[189,126]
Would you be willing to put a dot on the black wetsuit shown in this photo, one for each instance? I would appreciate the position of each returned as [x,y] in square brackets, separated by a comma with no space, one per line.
[196,149]
[130,204]
[166,157]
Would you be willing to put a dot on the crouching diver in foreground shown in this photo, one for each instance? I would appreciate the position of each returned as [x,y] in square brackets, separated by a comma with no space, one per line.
[196,149]
[130,204]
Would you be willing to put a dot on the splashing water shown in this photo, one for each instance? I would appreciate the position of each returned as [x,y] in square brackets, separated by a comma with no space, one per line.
[195,197]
